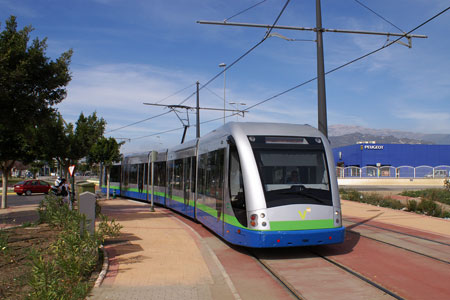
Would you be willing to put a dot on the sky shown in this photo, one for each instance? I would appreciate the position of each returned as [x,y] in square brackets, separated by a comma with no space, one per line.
[130,52]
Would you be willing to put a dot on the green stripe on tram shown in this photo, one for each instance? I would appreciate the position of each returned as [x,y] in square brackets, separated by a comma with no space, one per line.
[229,219]
[302,224]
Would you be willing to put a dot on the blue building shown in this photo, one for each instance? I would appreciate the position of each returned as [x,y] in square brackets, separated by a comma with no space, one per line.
[392,159]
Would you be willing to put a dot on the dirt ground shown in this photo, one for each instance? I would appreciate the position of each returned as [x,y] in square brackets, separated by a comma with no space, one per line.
[15,267]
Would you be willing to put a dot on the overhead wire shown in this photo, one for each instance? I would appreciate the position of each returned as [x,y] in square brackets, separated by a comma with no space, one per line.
[247,9]
[243,55]
[377,14]
[153,117]
[352,61]
[177,92]
[251,49]
[225,69]
[326,73]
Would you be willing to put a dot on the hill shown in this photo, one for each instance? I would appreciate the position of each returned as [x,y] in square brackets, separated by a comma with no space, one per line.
[343,135]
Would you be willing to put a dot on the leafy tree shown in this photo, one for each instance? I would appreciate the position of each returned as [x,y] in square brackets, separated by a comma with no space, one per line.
[107,152]
[36,166]
[68,143]
[30,84]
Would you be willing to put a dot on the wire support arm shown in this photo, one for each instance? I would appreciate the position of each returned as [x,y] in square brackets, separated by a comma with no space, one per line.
[267,26]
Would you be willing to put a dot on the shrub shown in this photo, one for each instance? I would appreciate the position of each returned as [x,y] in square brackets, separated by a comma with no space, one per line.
[74,255]
[411,205]
[430,208]
[372,198]
[440,195]
[446,214]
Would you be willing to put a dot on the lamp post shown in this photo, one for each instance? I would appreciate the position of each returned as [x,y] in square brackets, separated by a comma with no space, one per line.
[223,65]
[237,108]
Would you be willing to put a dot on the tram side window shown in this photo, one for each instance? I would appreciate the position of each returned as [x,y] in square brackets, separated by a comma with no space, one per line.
[214,174]
[201,173]
[126,173]
[194,168]
[141,177]
[210,176]
[170,176]
[178,175]
[114,174]
[160,174]
[133,174]
[236,183]
[187,173]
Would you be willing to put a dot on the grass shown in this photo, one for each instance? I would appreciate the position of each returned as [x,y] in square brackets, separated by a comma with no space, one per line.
[12,181]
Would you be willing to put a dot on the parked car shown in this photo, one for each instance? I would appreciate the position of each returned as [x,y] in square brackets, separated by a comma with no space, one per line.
[29,187]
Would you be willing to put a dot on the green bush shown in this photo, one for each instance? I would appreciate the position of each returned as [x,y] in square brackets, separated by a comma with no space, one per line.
[411,205]
[73,256]
[372,198]
[430,208]
[439,195]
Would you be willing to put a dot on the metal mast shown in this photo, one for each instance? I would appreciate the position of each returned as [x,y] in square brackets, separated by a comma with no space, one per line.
[321,92]
[321,95]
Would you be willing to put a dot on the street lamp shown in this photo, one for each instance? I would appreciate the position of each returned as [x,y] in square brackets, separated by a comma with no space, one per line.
[237,108]
[223,65]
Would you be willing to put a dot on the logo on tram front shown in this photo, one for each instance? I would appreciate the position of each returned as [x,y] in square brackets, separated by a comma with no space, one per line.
[303,214]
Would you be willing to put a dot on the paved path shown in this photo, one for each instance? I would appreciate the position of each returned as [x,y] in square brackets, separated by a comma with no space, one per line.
[159,257]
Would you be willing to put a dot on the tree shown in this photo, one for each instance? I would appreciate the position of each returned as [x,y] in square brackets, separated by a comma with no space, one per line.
[30,84]
[35,167]
[69,143]
[107,152]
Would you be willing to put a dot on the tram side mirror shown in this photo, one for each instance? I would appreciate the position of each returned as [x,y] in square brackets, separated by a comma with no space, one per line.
[230,140]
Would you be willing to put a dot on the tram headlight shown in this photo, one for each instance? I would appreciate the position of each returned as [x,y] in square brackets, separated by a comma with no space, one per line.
[337,214]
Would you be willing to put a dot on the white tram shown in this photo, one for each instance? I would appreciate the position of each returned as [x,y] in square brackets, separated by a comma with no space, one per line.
[253,184]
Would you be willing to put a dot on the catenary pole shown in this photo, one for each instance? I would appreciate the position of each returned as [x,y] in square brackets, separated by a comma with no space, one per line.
[198,110]
[321,93]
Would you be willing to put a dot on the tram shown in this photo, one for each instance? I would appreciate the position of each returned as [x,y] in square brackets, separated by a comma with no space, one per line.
[258,185]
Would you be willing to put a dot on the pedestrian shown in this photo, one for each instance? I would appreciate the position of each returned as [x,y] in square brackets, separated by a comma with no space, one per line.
[64,191]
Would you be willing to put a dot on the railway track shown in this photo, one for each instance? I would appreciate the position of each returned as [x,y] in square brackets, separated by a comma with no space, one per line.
[283,263]
[275,271]
[362,267]
[427,247]
[393,231]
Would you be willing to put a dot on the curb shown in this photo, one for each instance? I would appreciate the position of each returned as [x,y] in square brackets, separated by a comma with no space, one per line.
[105,267]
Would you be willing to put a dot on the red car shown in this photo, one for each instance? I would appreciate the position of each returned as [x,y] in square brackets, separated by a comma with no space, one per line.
[29,187]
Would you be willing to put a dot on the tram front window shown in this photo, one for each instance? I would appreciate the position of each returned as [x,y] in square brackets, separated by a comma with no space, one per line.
[294,176]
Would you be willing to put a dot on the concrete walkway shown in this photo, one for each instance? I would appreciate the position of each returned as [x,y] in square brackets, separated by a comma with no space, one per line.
[159,257]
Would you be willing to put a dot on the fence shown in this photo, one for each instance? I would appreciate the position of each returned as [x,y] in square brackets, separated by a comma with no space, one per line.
[393,172]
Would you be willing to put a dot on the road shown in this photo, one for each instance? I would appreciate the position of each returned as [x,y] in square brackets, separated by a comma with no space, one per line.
[15,200]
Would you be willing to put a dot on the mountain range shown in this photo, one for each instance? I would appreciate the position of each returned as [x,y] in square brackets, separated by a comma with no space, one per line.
[343,135]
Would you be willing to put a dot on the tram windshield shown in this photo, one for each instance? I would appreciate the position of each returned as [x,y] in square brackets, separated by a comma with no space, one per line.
[294,176]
